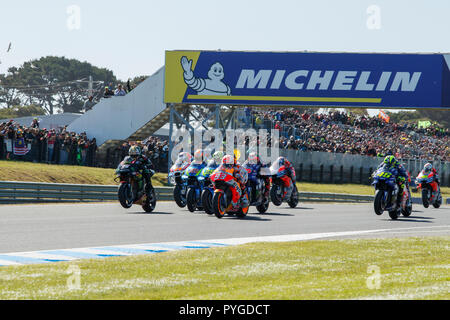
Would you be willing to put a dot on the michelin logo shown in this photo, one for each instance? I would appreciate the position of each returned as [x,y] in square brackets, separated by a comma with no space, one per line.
[211,86]
[328,80]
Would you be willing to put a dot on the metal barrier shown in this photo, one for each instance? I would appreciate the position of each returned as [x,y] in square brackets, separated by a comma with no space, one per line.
[31,192]
[333,197]
[34,192]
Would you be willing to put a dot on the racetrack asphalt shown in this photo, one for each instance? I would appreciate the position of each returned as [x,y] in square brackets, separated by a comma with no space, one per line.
[60,226]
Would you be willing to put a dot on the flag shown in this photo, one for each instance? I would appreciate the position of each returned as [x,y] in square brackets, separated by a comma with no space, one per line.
[423,124]
[384,116]
[20,148]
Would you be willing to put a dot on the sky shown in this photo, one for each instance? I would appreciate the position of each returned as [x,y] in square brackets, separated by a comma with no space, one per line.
[130,37]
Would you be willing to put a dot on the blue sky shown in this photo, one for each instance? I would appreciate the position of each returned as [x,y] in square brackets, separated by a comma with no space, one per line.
[130,37]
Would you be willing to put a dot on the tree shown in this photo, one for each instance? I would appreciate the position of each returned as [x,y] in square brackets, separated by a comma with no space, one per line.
[21,111]
[137,80]
[437,115]
[359,111]
[55,82]
[440,116]
[8,97]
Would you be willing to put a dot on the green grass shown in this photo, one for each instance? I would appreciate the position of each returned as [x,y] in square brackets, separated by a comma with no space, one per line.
[352,189]
[409,268]
[38,172]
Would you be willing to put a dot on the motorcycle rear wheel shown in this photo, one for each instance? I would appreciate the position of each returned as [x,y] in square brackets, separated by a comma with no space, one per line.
[293,201]
[207,201]
[242,213]
[407,211]
[262,208]
[393,214]
[150,202]
[438,203]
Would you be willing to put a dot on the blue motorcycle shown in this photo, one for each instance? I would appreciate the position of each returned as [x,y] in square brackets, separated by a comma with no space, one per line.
[386,192]
[257,186]
[194,186]
[207,187]
[175,177]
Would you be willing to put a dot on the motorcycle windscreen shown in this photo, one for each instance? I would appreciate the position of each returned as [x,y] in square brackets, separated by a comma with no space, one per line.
[265,171]
[275,168]
[179,165]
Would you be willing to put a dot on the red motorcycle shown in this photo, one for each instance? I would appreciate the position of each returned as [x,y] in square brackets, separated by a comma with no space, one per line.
[225,186]
[431,193]
[280,180]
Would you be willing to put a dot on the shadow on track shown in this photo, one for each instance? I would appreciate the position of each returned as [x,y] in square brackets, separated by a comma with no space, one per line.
[148,213]
[412,219]
[274,214]
[249,217]
[426,218]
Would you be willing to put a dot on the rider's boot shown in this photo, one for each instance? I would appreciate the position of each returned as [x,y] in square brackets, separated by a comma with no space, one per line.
[288,191]
[244,201]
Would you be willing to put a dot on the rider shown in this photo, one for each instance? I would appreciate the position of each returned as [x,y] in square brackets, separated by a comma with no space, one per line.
[142,163]
[198,160]
[391,164]
[289,179]
[241,176]
[186,159]
[254,164]
[183,161]
[216,159]
[427,169]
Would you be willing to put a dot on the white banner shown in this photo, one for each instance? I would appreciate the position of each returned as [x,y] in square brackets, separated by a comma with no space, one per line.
[8,145]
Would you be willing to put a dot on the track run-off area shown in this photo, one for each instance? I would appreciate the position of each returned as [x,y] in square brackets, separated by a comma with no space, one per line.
[106,229]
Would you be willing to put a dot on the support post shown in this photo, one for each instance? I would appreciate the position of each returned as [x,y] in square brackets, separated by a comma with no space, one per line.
[169,159]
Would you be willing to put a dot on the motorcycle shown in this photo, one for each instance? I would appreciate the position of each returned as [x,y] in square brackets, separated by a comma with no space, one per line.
[132,187]
[427,184]
[386,192]
[175,177]
[224,185]
[256,187]
[279,174]
[207,187]
[194,187]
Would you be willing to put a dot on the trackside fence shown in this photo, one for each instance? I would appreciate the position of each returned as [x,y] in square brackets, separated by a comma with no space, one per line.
[12,192]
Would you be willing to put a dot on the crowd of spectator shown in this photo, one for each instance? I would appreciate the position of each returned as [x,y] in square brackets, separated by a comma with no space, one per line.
[119,91]
[110,91]
[56,146]
[342,132]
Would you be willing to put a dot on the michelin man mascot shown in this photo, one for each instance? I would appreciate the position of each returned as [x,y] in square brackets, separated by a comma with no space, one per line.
[212,86]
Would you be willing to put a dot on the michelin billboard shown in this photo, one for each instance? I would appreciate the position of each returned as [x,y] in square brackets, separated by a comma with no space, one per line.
[308,79]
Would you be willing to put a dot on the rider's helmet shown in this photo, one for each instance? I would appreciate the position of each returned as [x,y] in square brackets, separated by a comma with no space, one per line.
[253,158]
[185,156]
[390,161]
[218,156]
[229,161]
[427,168]
[134,151]
[281,161]
[198,156]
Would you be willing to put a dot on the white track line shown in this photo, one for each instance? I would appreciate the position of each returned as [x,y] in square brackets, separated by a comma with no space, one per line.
[172,246]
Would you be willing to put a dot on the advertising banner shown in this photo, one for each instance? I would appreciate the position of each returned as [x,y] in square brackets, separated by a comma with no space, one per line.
[307,79]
